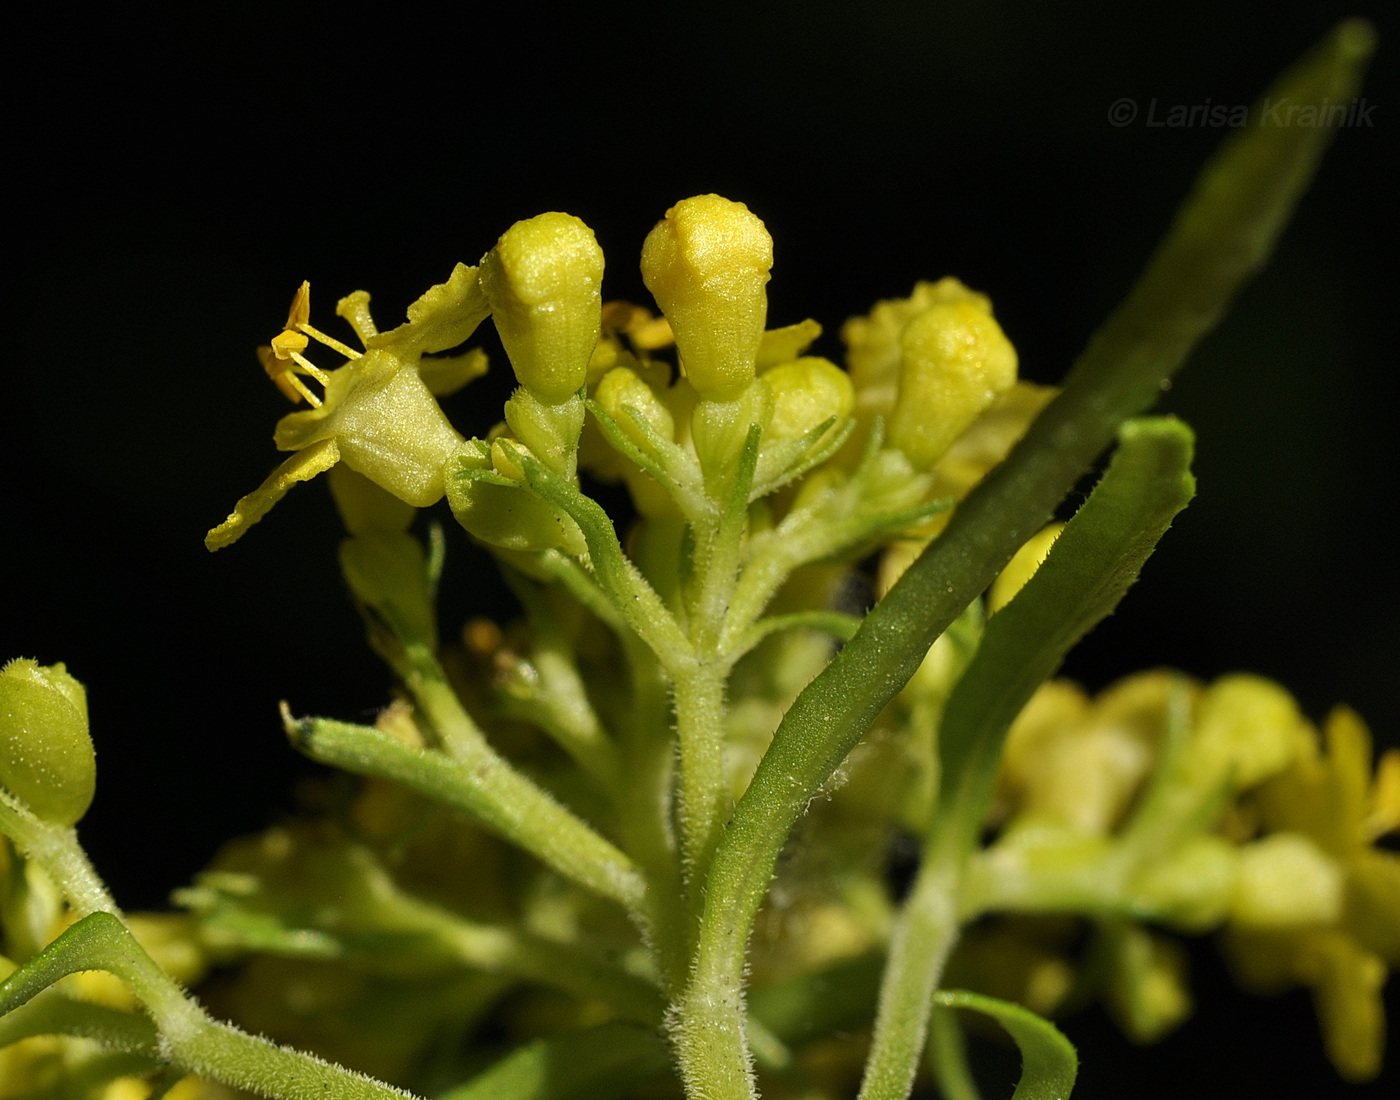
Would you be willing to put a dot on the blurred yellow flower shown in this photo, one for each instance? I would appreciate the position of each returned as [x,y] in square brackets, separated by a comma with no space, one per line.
[1317,904]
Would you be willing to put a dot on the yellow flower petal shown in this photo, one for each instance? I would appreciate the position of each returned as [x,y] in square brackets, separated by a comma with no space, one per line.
[1373,903]
[441,319]
[1349,760]
[1383,810]
[302,466]
[1347,995]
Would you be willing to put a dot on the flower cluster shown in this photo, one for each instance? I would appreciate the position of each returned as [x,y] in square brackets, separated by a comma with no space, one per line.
[576,825]
[1164,803]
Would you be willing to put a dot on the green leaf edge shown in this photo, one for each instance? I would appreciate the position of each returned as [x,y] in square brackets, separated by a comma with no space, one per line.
[1049,1062]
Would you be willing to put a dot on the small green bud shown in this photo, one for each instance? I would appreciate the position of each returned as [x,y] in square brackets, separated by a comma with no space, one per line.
[544,281]
[624,397]
[388,571]
[507,516]
[364,507]
[806,393]
[46,757]
[550,430]
[706,264]
[955,361]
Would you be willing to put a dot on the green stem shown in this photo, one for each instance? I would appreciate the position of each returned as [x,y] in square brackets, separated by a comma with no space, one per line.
[719,548]
[57,851]
[457,732]
[576,970]
[645,814]
[705,797]
[560,705]
[999,880]
[188,1037]
[220,1052]
[923,937]
[625,587]
[583,586]
[699,685]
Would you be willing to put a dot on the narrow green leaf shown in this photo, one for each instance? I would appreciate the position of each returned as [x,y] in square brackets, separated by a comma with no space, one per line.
[1049,1063]
[485,786]
[1092,564]
[947,1055]
[623,444]
[97,942]
[1089,568]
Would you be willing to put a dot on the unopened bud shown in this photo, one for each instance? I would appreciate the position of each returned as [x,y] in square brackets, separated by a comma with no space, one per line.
[955,361]
[46,758]
[544,282]
[1247,729]
[631,403]
[806,393]
[707,263]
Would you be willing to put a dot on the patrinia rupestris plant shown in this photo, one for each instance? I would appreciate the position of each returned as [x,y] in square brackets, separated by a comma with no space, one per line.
[572,826]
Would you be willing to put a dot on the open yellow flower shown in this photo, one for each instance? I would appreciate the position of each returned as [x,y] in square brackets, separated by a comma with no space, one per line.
[379,414]
[1317,904]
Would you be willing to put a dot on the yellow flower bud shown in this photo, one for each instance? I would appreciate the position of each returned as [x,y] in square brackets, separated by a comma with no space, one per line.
[1022,567]
[1286,880]
[624,397]
[544,281]
[806,393]
[872,341]
[1146,988]
[955,361]
[46,758]
[1247,729]
[706,264]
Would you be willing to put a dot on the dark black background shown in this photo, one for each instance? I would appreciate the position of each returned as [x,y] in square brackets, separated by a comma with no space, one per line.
[175,173]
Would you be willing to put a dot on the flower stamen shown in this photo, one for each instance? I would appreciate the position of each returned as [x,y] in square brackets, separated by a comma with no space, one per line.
[283,360]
